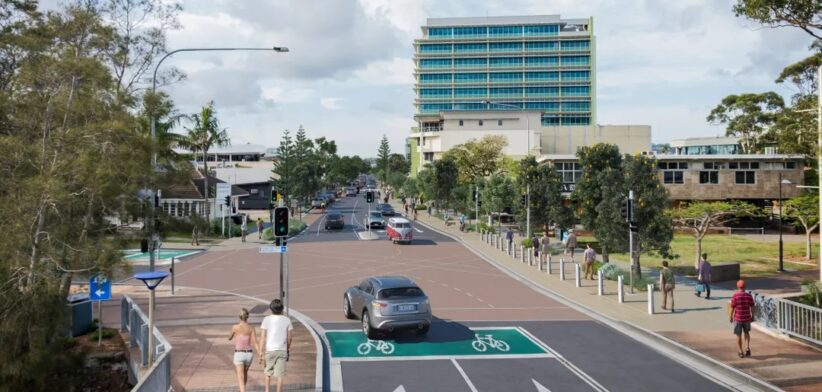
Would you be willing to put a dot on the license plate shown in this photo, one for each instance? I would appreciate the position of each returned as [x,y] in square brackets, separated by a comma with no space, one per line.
[406,308]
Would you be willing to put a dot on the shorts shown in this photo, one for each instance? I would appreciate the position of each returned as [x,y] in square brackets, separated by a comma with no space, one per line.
[275,363]
[243,358]
[739,327]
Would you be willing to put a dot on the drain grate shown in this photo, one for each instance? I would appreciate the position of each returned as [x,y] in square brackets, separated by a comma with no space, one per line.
[258,309]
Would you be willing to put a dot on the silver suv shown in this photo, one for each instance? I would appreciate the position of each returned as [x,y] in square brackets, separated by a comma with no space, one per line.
[388,303]
[375,220]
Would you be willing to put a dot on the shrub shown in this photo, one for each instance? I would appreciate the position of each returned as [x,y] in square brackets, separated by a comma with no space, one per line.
[611,272]
[526,242]
[421,207]
[484,227]
[813,295]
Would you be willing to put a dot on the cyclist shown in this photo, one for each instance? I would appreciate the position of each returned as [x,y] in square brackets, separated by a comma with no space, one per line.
[322,208]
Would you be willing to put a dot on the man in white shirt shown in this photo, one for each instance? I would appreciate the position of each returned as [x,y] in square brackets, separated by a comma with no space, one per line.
[276,336]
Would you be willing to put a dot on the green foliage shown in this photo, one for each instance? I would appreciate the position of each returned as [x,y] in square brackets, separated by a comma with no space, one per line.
[548,206]
[410,187]
[805,209]
[699,217]
[421,207]
[497,194]
[650,203]
[747,116]
[396,180]
[477,159]
[611,271]
[526,242]
[398,164]
[813,295]
[484,227]
[204,135]
[383,155]
[445,180]
[802,14]
[599,194]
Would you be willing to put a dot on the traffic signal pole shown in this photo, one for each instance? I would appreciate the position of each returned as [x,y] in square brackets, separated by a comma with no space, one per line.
[631,236]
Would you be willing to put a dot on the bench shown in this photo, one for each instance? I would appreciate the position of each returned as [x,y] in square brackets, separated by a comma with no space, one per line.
[724,272]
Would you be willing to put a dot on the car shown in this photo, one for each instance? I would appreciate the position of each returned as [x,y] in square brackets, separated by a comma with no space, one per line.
[399,230]
[350,191]
[386,210]
[375,220]
[334,221]
[330,196]
[317,202]
[388,304]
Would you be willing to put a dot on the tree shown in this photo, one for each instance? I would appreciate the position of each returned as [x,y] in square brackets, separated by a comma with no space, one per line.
[283,178]
[805,209]
[699,217]
[445,180]
[497,194]
[383,153]
[802,14]
[747,116]
[477,159]
[548,206]
[398,164]
[599,194]
[650,203]
[306,172]
[204,135]
[795,128]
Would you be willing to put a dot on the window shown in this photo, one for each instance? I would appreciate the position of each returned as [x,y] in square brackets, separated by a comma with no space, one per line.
[499,123]
[576,106]
[672,177]
[435,63]
[541,46]
[672,165]
[435,78]
[746,177]
[790,165]
[435,93]
[435,48]
[541,76]
[575,45]
[712,165]
[576,91]
[441,32]
[576,75]
[575,60]
[541,61]
[478,92]
[470,63]
[480,122]
[550,120]
[428,156]
[463,48]
[541,30]
[461,32]
[709,177]
[470,78]
[544,106]
[505,62]
[506,47]
[569,171]
[505,31]
[461,122]
[509,77]
[743,165]
[506,92]
[541,91]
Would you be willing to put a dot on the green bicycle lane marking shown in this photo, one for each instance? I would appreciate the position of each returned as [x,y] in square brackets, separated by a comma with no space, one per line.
[482,342]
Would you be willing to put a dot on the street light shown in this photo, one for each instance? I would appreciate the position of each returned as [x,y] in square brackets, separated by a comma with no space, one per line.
[151,280]
[781,182]
[527,154]
[151,234]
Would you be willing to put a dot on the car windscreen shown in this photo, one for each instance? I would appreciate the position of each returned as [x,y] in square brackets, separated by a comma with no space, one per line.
[400,292]
[401,225]
[376,215]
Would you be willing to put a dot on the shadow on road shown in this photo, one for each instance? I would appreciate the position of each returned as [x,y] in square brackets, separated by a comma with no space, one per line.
[441,331]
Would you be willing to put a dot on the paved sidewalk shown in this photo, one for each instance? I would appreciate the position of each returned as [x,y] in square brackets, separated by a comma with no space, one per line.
[197,324]
[252,239]
[699,324]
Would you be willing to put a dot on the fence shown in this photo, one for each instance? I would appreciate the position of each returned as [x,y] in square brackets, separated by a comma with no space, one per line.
[788,317]
[158,377]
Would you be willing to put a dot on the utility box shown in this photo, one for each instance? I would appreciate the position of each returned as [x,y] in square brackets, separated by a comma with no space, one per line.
[80,314]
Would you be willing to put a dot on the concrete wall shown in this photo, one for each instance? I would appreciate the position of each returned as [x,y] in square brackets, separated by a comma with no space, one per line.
[766,186]
[631,139]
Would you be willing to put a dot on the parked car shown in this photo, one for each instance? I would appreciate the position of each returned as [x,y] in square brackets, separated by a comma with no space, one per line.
[334,221]
[386,210]
[399,230]
[375,220]
[388,303]
[317,202]
[350,191]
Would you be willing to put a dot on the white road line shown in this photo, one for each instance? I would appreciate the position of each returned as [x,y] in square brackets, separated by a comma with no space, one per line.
[469,294]
[444,285]
[320,224]
[418,230]
[457,288]
[480,299]
[570,366]
[464,376]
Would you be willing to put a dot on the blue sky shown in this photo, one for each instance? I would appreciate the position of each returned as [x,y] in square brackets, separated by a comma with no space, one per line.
[349,73]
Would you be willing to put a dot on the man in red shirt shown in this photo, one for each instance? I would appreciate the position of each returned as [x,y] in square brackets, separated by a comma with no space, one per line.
[742,306]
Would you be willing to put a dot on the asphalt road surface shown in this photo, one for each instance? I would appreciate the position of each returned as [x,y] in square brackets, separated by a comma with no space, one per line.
[550,347]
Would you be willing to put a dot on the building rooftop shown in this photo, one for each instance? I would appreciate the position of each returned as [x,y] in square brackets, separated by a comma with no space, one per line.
[702,141]
[500,20]
[719,157]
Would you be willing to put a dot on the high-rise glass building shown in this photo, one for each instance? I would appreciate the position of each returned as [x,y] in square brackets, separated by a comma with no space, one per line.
[534,63]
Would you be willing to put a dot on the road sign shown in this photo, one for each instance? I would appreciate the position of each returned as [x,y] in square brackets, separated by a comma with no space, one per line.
[274,249]
[223,190]
[99,288]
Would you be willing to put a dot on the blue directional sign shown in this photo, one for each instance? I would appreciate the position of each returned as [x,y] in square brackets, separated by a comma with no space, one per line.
[273,249]
[99,288]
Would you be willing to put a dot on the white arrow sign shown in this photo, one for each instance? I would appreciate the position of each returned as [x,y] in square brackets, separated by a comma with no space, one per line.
[540,387]
[100,292]
[400,389]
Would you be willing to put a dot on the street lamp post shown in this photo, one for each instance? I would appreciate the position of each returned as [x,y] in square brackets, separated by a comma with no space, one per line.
[781,182]
[527,154]
[152,236]
[151,280]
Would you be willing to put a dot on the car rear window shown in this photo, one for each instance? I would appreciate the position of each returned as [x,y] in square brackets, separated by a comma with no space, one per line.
[400,292]
[334,216]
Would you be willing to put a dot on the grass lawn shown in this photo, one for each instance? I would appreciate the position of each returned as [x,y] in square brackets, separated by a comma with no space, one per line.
[756,257]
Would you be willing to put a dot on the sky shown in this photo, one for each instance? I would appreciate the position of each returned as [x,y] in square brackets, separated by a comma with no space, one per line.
[349,73]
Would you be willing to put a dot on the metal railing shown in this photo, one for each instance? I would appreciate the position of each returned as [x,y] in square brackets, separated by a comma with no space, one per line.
[158,377]
[789,317]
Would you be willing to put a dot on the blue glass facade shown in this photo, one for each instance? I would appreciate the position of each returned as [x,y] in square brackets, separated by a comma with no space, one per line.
[535,66]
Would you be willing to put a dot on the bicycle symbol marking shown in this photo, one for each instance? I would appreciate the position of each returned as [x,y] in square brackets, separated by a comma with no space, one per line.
[482,343]
[379,345]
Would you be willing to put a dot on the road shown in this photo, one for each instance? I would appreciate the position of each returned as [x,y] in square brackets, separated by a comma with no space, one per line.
[550,347]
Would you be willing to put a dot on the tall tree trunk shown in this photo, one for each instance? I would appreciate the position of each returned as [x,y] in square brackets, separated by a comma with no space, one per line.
[35,243]
[205,188]
[698,251]
[807,244]
[606,258]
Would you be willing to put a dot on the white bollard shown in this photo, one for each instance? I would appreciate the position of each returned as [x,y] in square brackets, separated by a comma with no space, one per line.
[600,284]
[482,235]
[651,298]
[539,262]
[576,276]
[548,267]
[499,241]
[561,269]
[510,248]
[620,290]
[522,254]
[530,257]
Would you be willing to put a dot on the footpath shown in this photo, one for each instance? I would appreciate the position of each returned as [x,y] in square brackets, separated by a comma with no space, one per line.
[197,322]
[698,333]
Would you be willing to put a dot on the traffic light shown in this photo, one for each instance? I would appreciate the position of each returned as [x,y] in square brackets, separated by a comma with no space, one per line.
[474,195]
[369,197]
[524,199]
[144,246]
[280,222]
[479,203]
[228,200]
[623,210]
[273,196]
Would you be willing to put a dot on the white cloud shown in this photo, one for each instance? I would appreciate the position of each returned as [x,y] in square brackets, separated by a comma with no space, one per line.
[282,95]
[331,103]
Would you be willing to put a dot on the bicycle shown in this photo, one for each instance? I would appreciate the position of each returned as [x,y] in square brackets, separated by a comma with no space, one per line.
[380,345]
[482,343]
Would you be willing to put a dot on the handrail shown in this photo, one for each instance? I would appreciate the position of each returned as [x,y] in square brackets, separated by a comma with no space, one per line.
[158,377]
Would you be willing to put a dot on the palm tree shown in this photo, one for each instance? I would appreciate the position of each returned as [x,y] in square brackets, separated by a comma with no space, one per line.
[204,135]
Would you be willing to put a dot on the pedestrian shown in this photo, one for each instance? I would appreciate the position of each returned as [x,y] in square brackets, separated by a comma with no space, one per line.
[509,236]
[570,243]
[704,276]
[544,244]
[259,228]
[244,228]
[667,285]
[405,205]
[741,308]
[462,222]
[589,256]
[195,235]
[276,336]
[429,210]
[244,345]
[535,245]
